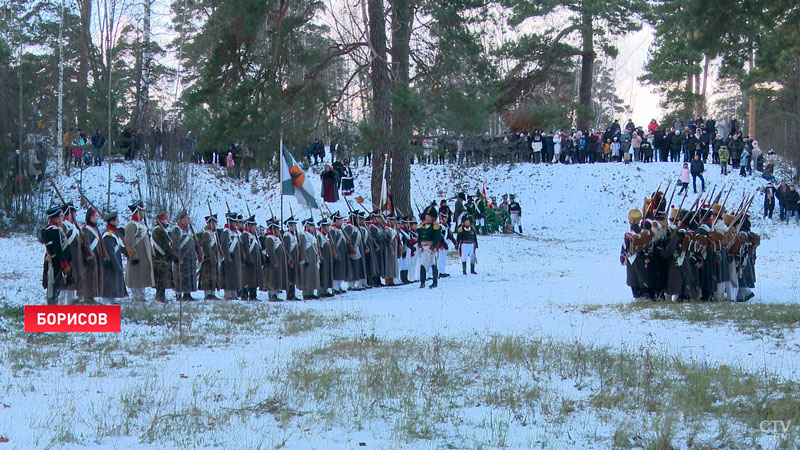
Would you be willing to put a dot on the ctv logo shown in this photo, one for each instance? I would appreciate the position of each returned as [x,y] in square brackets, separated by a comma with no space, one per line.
[779,429]
[72,319]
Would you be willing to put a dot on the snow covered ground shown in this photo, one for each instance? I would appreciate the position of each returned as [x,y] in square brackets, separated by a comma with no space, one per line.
[559,281]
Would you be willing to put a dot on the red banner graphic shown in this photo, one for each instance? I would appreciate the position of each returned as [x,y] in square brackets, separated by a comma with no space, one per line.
[72,318]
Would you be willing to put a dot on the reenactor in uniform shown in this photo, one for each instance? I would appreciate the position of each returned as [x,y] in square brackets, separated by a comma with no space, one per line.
[444,210]
[188,256]
[253,268]
[447,235]
[326,258]
[467,244]
[358,270]
[163,257]
[293,252]
[480,213]
[77,252]
[113,274]
[413,263]
[403,256]
[429,236]
[378,236]
[343,254]
[308,277]
[56,261]
[231,247]
[515,210]
[139,271]
[392,238]
[370,252]
[274,278]
[504,203]
[631,258]
[460,209]
[91,285]
[209,275]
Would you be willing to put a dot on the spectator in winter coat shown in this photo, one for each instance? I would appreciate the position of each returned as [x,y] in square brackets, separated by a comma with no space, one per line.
[675,142]
[98,141]
[744,161]
[536,147]
[781,194]
[616,147]
[636,144]
[697,172]
[724,157]
[652,126]
[733,127]
[683,178]
[791,202]
[769,200]
[556,146]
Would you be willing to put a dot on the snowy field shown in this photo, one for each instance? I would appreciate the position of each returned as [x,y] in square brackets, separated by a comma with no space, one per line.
[542,349]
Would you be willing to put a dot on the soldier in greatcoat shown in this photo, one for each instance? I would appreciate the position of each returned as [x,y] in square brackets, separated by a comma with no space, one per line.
[188,255]
[326,253]
[139,271]
[91,285]
[357,280]
[253,268]
[293,252]
[163,257]
[274,278]
[231,247]
[308,277]
[343,253]
[209,274]
[113,273]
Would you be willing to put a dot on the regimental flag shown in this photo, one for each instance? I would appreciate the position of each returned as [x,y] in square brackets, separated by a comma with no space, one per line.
[384,188]
[294,181]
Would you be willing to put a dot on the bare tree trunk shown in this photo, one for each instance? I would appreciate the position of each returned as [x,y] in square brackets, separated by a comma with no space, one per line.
[147,56]
[381,109]
[702,106]
[587,69]
[751,111]
[402,17]
[83,61]
[59,120]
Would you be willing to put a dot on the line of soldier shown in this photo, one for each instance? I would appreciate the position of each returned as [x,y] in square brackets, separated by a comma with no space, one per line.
[321,258]
[700,254]
[476,207]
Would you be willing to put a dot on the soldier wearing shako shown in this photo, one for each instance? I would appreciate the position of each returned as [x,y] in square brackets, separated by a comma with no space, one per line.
[274,277]
[480,213]
[358,267]
[229,242]
[343,252]
[113,273]
[139,272]
[77,250]
[429,237]
[252,269]
[188,256]
[467,243]
[326,257]
[92,280]
[56,261]
[459,208]
[209,276]
[308,276]
[447,235]
[163,257]
[294,257]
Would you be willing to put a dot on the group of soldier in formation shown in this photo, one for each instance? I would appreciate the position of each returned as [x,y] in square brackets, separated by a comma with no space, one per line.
[705,252]
[320,258]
